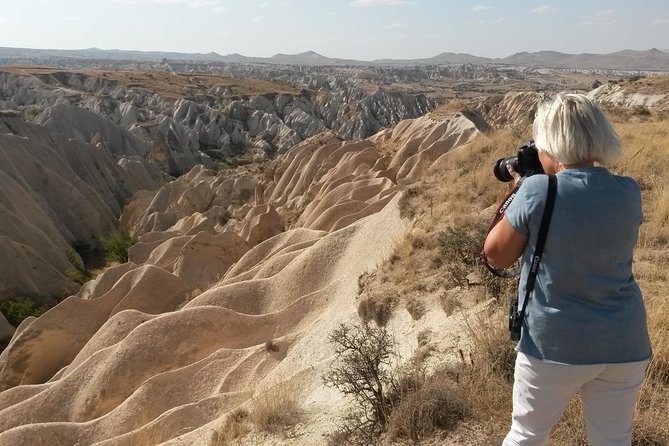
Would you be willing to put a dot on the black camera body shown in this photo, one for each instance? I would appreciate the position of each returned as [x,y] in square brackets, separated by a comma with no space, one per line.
[526,163]
[515,321]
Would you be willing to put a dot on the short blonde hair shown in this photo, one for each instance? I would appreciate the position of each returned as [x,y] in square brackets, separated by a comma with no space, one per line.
[573,129]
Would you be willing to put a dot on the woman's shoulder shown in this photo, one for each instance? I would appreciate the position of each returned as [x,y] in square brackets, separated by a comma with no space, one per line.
[536,182]
[625,181]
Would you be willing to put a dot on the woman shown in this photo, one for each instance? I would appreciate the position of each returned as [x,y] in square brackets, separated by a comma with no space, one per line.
[585,324]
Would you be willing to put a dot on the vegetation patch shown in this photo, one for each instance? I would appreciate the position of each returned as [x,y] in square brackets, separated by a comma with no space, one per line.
[16,310]
[234,427]
[276,409]
[117,244]
[401,401]
[377,308]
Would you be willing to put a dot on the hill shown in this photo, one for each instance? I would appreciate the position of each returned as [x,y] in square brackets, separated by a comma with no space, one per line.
[648,60]
[653,60]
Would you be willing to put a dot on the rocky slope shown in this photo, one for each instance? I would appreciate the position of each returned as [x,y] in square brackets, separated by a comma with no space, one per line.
[169,343]
[650,93]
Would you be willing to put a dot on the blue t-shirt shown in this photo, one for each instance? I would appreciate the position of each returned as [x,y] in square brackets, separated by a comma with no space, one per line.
[586,307]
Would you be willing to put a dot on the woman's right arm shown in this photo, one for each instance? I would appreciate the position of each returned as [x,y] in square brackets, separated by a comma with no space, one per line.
[504,245]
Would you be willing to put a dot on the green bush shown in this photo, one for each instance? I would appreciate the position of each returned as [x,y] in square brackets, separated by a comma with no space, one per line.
[76,275]
[116,245]
[16,310]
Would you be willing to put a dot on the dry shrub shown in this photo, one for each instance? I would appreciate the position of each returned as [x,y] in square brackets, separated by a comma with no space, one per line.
[408,201]
[377,308]
[276,408]
[436,406]
[362,372]
[234,427]
[272,346]
[416,308]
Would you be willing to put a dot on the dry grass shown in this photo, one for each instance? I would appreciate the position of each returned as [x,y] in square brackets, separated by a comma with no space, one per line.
[377,307]
[416,308]
[276,408]
[234,427]
[571,427]
[435,406]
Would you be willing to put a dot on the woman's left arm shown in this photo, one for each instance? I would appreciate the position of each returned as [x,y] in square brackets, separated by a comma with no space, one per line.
[504,245]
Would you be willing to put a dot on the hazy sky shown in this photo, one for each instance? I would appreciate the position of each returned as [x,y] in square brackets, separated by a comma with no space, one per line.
[355,29]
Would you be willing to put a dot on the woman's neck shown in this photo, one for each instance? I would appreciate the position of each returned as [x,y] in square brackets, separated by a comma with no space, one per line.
[561,167]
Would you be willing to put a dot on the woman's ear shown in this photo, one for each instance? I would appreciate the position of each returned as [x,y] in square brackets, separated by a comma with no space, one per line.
[550,164]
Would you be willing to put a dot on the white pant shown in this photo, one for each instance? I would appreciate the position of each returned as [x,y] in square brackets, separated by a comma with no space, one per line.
[542,390]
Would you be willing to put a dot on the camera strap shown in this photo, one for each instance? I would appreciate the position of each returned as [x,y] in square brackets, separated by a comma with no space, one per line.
[541,239]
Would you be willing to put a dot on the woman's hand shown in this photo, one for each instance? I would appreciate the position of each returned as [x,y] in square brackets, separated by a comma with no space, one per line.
[516,176]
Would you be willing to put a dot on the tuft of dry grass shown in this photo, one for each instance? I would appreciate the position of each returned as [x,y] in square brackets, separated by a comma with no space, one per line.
[416,308]
[234,427]
[650,424]
[571,427]
[378,308]
[276,408]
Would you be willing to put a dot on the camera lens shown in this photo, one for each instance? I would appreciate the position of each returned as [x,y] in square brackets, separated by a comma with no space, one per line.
[499,169]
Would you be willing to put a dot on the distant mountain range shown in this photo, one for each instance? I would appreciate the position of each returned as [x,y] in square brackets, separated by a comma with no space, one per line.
[652,60]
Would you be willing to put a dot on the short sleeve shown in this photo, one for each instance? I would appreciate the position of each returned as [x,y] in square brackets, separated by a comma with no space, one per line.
[530,196]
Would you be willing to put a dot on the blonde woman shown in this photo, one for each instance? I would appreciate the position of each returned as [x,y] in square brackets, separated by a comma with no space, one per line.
[585,327]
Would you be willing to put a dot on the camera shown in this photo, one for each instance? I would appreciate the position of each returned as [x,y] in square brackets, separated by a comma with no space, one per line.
[526,163]
[515,321]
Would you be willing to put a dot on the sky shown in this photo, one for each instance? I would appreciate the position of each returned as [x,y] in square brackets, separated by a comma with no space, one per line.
[347,29]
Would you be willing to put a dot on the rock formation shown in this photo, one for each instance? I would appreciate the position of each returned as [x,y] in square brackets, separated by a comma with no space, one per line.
[180,121]
[57,194]
[166,345]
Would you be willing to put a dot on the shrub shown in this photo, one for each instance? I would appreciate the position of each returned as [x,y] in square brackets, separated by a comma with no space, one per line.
[460,249]
[461,245]
[272,346]
[363,356]
[435,406]
[75,259]
[76,275]
[641,110]
[17,310]
[416,308]
[376,308]
[116,245]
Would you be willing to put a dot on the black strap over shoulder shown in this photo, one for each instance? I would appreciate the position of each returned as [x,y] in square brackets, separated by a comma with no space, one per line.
[541,240]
